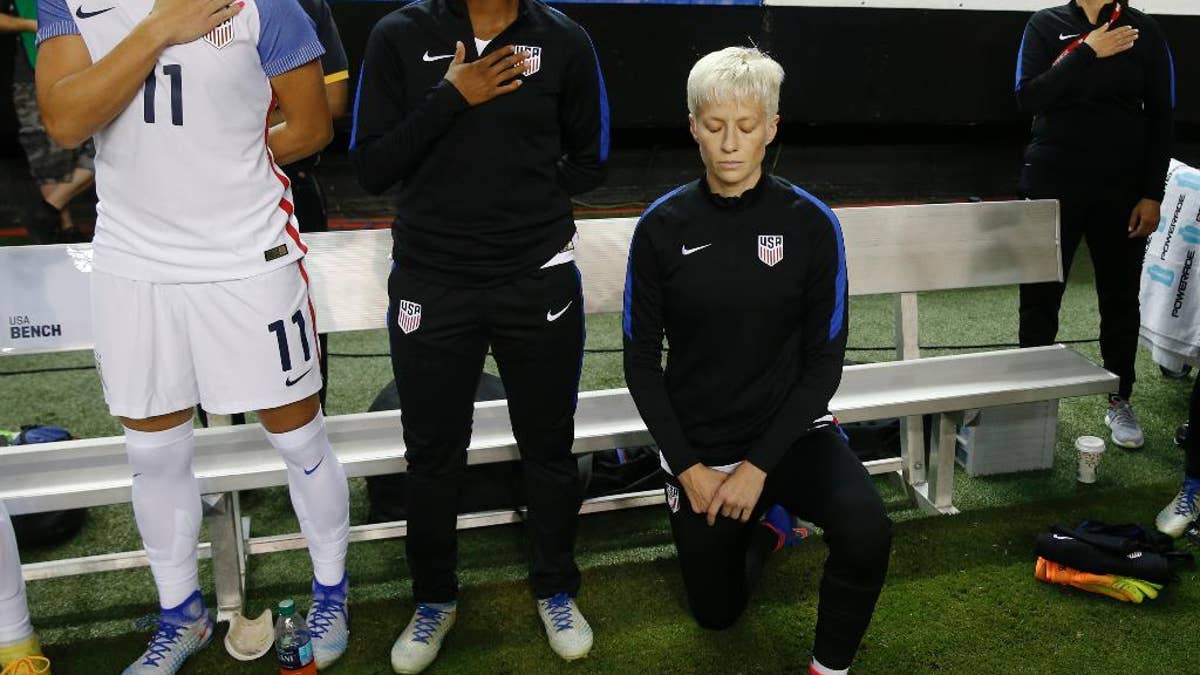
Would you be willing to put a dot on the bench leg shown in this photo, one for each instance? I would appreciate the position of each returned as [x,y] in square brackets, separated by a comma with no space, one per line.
[912,449]
[224,519]
[936,496]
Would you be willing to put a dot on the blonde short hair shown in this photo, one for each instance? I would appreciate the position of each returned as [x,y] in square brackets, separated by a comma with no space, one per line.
[735,74]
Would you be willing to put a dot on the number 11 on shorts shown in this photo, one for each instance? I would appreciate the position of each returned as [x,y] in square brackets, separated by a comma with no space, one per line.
[279,328]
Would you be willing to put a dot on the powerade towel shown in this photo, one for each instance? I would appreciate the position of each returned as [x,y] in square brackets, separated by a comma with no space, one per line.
[1125,550]
[1170,314]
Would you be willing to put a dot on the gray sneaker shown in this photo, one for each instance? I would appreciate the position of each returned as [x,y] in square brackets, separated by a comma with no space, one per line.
[181,632]
[1126,431]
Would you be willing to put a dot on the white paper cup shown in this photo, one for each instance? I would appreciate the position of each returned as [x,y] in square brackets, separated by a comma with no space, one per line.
[1091,451]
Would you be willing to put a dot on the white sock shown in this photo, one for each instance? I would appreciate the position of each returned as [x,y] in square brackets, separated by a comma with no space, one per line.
[816,667]
[14,611]
[166,504]
[320,496]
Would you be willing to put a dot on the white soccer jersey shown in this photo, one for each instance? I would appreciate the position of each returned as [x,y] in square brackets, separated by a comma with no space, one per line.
[188,191]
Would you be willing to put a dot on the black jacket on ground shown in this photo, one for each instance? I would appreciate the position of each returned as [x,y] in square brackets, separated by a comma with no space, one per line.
[1096,121]
[484,191]
[756,349]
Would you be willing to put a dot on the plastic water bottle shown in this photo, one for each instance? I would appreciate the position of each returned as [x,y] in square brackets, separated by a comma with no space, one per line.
[293,642]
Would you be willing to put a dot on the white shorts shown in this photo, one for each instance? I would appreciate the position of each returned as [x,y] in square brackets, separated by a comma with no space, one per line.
[232,346]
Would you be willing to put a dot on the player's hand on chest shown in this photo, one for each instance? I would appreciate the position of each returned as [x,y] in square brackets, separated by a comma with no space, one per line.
[512,86]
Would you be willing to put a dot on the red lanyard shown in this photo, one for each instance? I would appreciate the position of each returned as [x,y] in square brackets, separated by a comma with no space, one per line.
[1112,20]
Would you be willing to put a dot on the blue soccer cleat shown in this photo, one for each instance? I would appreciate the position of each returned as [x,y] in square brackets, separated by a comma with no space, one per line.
[790,530]
[181,632]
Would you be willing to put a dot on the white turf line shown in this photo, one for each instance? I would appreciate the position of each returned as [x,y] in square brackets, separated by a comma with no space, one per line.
[1191,7]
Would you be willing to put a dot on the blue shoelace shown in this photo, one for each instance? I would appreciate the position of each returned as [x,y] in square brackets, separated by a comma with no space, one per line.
[322,616]
[165,637]
[559,608]
[1187,498]
[429,620]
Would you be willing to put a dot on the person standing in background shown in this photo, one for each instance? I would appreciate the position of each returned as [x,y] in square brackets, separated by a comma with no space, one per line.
[1099,80]
[61,174]
[490,114]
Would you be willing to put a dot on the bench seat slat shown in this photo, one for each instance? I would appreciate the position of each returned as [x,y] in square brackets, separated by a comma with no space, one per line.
[95,472]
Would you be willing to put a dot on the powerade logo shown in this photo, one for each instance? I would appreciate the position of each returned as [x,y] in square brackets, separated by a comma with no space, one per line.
[22,328]
[1171,230]
[1190,234]
[1161,275]
[1184,273]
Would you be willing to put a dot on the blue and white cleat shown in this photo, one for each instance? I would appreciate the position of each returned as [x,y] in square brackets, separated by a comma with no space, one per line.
[329,622]
[421,640]
[790,530]
[1175,519]
[569,633]
[181,632]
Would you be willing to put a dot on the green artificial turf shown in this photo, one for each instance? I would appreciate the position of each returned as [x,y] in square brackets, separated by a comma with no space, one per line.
[960,598]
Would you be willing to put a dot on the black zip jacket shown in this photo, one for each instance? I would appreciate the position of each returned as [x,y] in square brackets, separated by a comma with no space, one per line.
[1096,121]
[484,191]
[756,349]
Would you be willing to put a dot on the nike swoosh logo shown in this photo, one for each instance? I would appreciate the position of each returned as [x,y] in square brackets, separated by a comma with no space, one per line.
[289,382]
[554,317]
[1062,538]
[309,472]
[1067,37]
[87,15]
[688,251]
[427,57]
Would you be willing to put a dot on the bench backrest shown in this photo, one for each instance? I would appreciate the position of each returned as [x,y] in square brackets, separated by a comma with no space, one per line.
[889,249]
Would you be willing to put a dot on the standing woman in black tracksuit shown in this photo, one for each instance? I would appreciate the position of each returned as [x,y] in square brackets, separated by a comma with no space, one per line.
[1099,80]
[489,114]
[744,275]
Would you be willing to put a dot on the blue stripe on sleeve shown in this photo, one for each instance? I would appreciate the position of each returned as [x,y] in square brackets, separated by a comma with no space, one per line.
[605,132]
[54,19]
[627,318]
[357,99]
[1171,65]
[1021,59]
[838,318]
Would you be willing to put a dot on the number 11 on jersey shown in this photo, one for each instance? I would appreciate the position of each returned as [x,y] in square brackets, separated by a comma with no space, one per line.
[175,72]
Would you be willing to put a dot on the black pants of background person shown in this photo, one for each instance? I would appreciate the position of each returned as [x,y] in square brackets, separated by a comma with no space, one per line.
[309,201]
[535,327]
[819,480]
[1101,216]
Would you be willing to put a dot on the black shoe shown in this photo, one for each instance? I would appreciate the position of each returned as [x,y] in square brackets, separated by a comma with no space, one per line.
[1181,434]
[44,222]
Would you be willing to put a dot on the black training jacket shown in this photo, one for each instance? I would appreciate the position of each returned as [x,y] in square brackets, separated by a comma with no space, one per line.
[751,295]
[484,191]
[1096,121]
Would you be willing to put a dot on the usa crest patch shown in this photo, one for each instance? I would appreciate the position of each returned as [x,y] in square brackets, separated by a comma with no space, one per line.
[408,316]
[533,58]
[770,249]
[672,498]
[221,35]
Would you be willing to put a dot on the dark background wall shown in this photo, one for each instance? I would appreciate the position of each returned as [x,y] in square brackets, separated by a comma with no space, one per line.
[845,66]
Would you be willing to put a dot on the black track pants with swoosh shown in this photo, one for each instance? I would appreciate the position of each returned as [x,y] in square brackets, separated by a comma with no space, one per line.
[439,340]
